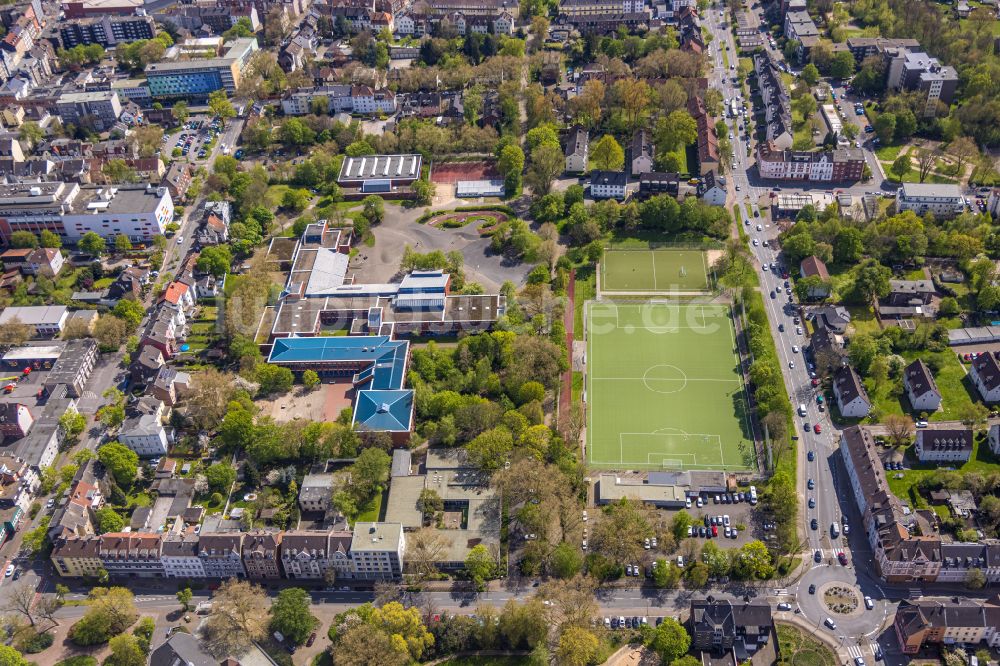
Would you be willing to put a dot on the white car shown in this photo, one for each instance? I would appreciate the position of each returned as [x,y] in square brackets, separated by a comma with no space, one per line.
[830,623]
[646,544]
[791,364]
[795,349]
[180,239]
[725,520]
[869,603]
[701,502]
[755,242]
[687,503]
[9,571]
[680,561]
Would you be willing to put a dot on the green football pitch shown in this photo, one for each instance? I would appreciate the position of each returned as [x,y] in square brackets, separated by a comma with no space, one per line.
[654,271]
[664,390]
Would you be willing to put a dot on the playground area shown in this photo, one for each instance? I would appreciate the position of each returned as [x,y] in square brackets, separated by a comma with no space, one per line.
[484,221]
[452,172]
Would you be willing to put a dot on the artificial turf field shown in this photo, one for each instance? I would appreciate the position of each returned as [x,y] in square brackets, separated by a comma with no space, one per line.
[664,389]
[654,271]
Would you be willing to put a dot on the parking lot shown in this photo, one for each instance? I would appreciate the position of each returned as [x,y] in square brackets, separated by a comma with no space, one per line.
[197,136]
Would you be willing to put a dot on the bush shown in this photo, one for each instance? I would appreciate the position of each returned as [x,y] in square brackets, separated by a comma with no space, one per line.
[37,643]
[79,660]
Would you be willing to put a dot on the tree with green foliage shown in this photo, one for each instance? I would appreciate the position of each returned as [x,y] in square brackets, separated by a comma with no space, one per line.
[11,657]
[130,310]
[109,520]
[565,561]
[679,526]
[220,106]
[885,127]
[274,378]
[810,74]
[180,111]
[373,208]
[510,165]
[72,423]
[290,615]
[901,166]
[607,154]
[753,562]
[310,379]
[184,598]
[23,240]
[91,243]
[220,476]
[121,461]
[577,647]
[675,131]
[842,66]
[370,472]
[30,133]
[215,259]
[49,239]
[480,566]
[670,640]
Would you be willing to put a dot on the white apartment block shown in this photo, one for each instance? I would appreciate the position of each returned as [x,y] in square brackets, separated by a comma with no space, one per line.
[377,551]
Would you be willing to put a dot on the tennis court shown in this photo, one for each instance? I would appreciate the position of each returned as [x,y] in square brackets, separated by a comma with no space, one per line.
[664,389]
[654,271]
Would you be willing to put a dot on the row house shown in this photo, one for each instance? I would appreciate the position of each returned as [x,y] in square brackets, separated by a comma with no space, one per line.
[839,165]
[502,23]
[852,398]
[944,445]
[775,101]
[958,559]
[947,621]
[899,555]
[131,555]
[708,139]
[316,555]
[340,98]
[373,551]
[985,373]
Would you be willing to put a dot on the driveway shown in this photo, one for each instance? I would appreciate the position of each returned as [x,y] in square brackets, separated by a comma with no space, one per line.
[399,228]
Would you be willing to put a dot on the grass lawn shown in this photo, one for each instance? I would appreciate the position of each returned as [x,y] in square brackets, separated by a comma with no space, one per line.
[914,176]
[951,380]
[654,270]
[982,460]
[888,153]
[863,319]
[232,281]
[577,387]
[370,512]
[797,648]
[103,283]
[584,290]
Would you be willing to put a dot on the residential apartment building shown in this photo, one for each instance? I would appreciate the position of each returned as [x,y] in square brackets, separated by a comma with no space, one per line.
[719,626]
[866,47]
[947,621]
[221,555]
[106,30]
[607,184]
[15,420]
[577,149]
[900,556]
[985,374]
[838,165]
[917,71]
[641,153]
[921,389]
[600,8]
[944,445]
[99,110]
[852,398]
[776,103]
[316,555]
[78,557]
[146,435]
[196,79]
[942,200]
[377,551]
[260,554]
[180,556]
[70,210]
[316,492]
[131,555]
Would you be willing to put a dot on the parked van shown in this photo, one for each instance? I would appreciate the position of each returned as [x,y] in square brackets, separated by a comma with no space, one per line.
[834,530]
[802,409]
[753,494]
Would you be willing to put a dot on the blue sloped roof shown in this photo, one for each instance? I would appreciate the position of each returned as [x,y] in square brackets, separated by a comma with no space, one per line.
[387,356]
[389,411]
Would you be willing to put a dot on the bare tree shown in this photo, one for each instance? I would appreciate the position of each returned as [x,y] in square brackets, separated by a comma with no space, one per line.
[964,150]
[899,428]
[572,602]
[424,549]
[40,615]
[239,617]
[926,159]
[15,332]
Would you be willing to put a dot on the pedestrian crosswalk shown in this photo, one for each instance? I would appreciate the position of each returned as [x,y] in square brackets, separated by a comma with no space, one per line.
[855,651]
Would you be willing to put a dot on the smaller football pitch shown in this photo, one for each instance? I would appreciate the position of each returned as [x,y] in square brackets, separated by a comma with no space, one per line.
[654,271]
[664,388]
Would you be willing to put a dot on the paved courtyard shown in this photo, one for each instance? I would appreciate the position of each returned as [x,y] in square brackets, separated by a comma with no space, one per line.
[381,262]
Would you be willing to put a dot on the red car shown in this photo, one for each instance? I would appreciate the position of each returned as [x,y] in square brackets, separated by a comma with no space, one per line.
[815,382]
[817,429]
[715,531]
[842,558]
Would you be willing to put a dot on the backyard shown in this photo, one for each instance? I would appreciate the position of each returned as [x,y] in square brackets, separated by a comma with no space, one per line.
[951,379]
[982,461]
